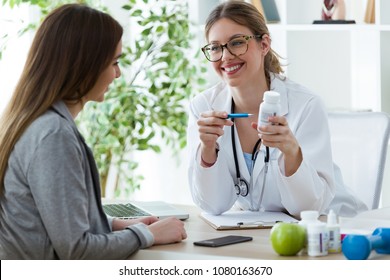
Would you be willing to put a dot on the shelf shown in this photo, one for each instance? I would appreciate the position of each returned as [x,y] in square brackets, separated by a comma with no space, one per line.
[385,70]
[346,64]
[383,9]
[327,27]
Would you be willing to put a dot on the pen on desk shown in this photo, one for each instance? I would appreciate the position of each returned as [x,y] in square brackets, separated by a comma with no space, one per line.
[257,224]
[249,226]
[238,115]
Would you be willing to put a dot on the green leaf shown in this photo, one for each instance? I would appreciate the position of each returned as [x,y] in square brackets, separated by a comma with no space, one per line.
[127,7]
[136,13]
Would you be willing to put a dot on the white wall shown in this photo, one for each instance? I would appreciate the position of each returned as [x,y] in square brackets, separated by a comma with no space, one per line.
[165,177]
[385,198]
[15,54]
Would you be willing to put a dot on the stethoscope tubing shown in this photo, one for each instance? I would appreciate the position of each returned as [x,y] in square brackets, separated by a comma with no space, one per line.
[255,152]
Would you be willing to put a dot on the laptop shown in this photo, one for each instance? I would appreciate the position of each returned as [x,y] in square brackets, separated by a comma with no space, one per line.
[138,209]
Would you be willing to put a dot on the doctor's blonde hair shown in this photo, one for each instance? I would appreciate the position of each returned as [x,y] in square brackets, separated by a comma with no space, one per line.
[246,14]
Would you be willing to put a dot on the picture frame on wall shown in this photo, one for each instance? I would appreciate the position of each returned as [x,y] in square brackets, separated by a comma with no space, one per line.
[333,12]
[370,12]
[269,9]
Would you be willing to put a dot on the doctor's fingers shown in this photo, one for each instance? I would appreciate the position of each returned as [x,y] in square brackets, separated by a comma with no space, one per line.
[275,133]
[208,139]
[279,120]
[210,136]
[208,129]
[275,128]
[213,120]
[285,142]
[216,114]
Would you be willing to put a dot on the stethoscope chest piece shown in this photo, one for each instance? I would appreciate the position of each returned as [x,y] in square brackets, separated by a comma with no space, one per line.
[242,187]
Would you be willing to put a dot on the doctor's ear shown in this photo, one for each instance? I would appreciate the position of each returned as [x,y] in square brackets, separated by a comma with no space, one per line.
[265,44]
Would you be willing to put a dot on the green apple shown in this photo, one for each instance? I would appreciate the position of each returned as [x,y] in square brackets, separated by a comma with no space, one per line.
[287,238]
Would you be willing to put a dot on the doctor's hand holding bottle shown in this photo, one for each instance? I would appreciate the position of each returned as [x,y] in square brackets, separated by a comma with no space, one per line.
[211,124]
[228,166]
[281,137]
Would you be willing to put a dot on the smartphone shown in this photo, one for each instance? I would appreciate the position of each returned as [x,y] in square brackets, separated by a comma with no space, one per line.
[222,241]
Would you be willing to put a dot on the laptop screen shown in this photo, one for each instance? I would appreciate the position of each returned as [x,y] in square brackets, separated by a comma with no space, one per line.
[137,209]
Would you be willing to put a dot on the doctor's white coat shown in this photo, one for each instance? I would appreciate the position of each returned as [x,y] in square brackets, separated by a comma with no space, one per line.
[312,187]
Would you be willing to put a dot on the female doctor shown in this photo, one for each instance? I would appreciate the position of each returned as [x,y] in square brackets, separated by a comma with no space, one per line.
[290,169]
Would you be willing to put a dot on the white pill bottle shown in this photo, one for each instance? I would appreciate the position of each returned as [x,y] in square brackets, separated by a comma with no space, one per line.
[334,233]
[317,239]
[269,107]
[308,217]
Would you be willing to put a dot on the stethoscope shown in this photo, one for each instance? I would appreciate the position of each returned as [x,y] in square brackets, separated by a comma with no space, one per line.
[241,185]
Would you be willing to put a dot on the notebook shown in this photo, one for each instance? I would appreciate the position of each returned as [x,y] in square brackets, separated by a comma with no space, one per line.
[137,209]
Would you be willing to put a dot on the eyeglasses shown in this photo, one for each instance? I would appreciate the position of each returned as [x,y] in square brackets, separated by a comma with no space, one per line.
[236,46]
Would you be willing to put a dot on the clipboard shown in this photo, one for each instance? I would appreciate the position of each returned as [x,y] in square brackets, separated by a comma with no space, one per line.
[236,219]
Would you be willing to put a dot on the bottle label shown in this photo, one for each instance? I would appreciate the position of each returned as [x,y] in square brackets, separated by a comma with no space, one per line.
[263,119]
[334,241]
[317,244]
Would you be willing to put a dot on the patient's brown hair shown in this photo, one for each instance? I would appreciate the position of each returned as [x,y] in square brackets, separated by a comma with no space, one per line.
[71,48]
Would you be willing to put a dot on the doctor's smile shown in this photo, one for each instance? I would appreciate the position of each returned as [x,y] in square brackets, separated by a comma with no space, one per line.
[236,161]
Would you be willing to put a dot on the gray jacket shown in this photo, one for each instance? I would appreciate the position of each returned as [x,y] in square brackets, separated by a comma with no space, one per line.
[51,208]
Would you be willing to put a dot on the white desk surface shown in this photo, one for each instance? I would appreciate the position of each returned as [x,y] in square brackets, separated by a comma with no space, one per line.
[259,248]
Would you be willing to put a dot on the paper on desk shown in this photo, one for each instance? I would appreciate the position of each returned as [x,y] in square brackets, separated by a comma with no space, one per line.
[365,222]
[236,219]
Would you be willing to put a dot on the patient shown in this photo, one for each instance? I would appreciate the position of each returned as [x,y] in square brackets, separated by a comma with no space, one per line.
[50,191]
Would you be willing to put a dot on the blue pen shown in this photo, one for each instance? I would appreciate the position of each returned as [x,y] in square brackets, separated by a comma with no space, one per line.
[239,115]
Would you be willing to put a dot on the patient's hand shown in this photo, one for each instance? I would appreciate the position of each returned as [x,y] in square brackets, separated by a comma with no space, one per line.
[120,224]
[169,230]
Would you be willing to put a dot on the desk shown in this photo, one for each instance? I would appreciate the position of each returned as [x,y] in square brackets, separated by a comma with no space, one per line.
[197,229]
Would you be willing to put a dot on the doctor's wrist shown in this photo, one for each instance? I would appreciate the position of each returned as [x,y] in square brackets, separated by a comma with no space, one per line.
[205,163]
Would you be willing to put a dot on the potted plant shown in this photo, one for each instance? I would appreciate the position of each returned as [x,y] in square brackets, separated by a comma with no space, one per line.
[145,108]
